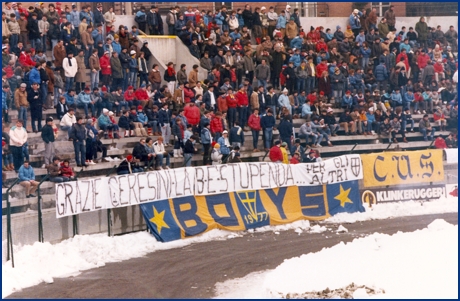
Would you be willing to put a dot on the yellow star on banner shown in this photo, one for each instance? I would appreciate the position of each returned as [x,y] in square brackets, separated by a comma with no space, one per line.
[342,197]
[158,219]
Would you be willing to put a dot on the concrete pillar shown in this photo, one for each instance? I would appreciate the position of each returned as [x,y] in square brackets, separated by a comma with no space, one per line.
[128,8]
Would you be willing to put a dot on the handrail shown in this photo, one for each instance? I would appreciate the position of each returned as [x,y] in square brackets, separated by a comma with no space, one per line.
[40,217]
[74,217]
[351,150]
[78,173]
[266,153]
[185,163]
[391,142]
[8,224]
[431,144]
[109,211]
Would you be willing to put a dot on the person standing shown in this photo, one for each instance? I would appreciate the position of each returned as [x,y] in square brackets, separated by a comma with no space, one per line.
[164,120]
[70,67]
[18,137]
[78,136]
[391,18]
[206,139]
[48,138]
[34,97]
[254,124]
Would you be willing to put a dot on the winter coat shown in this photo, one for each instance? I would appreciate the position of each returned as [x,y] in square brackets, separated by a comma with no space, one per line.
[70,71]
[81,76]
[422,30]
[26,174]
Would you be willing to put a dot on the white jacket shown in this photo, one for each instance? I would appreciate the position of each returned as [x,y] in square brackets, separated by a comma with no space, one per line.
[159,148]
[68,120]
[18,136]
[70,71]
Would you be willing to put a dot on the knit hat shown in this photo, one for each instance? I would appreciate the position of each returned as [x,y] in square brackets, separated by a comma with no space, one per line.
[110,113]
[48,119]
[104,89]
[105,111]
[225,132]
[139,108]
[285,90]
[355,11]
[89,121]
[130,87]
[329,110]
[217,145]
[132,52]
[284,144]
[338,27]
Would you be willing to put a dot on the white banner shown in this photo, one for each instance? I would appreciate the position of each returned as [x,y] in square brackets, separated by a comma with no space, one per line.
[451,155]
[134,189]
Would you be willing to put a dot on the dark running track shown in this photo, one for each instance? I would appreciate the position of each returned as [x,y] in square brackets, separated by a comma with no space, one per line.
[192,271]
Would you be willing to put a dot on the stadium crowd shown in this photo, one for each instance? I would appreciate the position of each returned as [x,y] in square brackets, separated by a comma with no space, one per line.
[70,60]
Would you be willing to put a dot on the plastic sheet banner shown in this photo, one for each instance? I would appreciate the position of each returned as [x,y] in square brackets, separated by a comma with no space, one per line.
[400,168]
[451,155]
[404,193]
[178,218]
[134,189]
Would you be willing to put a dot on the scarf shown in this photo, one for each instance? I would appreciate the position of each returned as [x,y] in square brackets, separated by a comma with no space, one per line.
[70,61]
[171,71]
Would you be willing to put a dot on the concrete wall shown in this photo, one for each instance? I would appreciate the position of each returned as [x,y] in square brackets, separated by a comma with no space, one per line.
[332,22]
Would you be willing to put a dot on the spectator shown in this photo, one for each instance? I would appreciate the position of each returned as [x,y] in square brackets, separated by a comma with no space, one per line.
[189,150]
[26,177]
[128,166]
[140,153]
[426,128]
[70,68]
[161,154]
[396,129]
[440,143]
[55,171]
[78,135]
[48,137]
[276,154]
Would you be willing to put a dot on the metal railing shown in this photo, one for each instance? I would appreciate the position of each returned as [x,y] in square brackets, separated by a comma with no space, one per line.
[40,215]
[8,224]
[109,211]
[353,148]
[74,217]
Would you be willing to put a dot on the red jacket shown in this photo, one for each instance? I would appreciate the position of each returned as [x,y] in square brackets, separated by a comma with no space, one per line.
[216,125]
[312,98]
[294,160]
[320,69]
[129,96]
[254,122]
[321,45]
[232,102]
[141,94]
[106,69]
[422,60]
[282,77]
[192,114]
[406,60]
[188,95]
[440,143]
[438,68]
[222,104]
[242,98]
[66,171]
[275,154]
[25,60]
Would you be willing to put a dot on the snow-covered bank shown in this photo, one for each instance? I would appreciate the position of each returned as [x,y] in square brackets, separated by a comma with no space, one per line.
[420,264]
[42,262]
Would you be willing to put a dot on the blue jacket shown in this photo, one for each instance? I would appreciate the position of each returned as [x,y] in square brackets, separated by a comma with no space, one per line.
[75,18]
[84,98]
[296,42]
[404,46]
[103,120]
[347,101]
[267,121]
[408,97]
[70,100]
[26,174]
[4,97]
[223,148]
[97,37]
[142,118]
[219,19]
[360,39]
[133,65]
[163,117]
[116,47]
[306,110]
[396,98]
[365,53]
[381,72]
[354,23]
[236,135]
[296,60]
[370,117]
[281,23]
[205,136]
[34,76]
[240,19]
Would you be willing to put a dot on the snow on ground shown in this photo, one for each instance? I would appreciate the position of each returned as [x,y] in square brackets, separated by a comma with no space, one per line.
[420,264]
[41,262]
